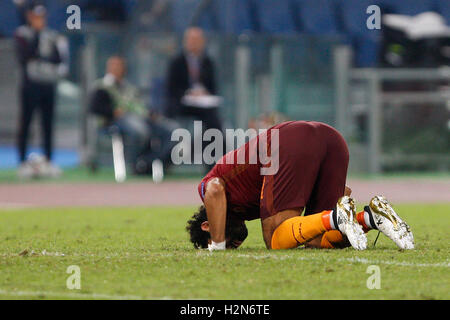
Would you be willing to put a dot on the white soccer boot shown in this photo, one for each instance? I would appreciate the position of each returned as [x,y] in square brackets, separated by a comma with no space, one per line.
[345,221]
[386,220]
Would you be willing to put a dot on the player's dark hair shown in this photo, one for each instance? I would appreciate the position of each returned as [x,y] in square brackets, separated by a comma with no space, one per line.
[235,230]
[194,227]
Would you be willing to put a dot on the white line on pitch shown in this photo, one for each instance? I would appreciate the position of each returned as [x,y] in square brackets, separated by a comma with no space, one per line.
[395,263]
[77,295]
[354,259]
[444,264]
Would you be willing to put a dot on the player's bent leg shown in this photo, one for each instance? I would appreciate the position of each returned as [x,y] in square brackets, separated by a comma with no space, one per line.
[380,215]
[334,239]
[297,231]
[343,219]
[300,230]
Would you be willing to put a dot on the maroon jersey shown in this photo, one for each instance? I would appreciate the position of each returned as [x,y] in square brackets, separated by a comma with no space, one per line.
[243,179]
[312,169]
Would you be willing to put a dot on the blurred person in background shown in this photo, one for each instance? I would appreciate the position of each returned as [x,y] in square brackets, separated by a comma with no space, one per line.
[146,134]
[192,73]
[43,58]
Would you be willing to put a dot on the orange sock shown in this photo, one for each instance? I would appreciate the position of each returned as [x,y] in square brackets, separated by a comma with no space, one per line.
[299,230]
[333,239]
[362,221]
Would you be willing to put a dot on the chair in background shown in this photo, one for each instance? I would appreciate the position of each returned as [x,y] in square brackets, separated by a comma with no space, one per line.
[366,43]
[185,13]
[234,16]
[275,16]
[317,17]
[409,7]
[443,7]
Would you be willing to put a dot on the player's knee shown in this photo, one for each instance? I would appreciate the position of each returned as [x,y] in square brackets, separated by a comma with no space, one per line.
[282,237]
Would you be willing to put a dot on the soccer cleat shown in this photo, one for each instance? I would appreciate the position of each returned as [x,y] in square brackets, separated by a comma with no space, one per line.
[49,170]
[387,221]
[345,221]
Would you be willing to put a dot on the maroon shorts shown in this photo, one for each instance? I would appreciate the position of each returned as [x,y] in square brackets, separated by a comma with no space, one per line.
[313,162]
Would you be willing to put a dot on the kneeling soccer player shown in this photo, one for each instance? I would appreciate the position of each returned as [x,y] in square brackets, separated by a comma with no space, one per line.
[312,161]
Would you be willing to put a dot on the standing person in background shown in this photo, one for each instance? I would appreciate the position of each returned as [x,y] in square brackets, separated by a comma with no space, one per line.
[192,72]
[43,57]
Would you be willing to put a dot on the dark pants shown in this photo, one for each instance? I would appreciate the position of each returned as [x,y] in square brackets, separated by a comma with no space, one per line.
[136,134]
[209,117]
[32,98]
[161,134]
[146,139]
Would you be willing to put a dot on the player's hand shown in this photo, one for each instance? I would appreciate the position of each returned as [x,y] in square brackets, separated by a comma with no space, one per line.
[216,246]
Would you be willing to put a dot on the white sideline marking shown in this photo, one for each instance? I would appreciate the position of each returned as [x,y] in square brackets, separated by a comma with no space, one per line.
[77,295]
[205,253]
[354,259]
[399,263]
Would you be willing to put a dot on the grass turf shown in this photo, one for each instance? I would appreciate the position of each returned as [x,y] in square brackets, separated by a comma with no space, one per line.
[145,253]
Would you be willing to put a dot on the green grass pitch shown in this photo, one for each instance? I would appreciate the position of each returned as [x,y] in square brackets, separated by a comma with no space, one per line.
[134,253]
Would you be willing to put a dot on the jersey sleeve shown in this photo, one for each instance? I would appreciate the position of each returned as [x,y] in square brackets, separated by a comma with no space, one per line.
[202,186]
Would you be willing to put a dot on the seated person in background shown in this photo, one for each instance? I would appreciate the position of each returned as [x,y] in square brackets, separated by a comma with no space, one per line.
[146,135]
[192,72]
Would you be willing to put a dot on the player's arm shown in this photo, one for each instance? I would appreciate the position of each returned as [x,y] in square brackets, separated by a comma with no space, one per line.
[216,210]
